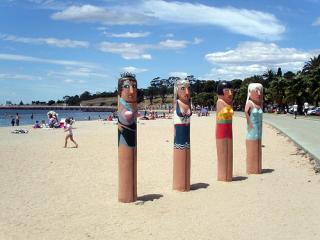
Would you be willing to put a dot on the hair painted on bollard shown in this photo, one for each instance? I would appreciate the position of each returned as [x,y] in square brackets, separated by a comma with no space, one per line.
[222,85]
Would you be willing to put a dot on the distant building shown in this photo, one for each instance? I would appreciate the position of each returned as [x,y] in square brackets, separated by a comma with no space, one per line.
[8,103]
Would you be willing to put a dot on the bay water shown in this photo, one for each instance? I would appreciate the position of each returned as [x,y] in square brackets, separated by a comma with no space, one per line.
[6,116]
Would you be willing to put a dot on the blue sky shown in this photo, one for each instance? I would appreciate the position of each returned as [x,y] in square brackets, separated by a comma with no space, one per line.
[53,48]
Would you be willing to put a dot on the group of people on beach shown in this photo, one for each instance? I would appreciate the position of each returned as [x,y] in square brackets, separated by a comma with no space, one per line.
[182,112]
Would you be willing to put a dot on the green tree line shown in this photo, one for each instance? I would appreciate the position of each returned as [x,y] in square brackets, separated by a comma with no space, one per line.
[279,89]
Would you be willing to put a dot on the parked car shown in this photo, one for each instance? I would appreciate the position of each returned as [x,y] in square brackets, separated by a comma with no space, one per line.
[314,111]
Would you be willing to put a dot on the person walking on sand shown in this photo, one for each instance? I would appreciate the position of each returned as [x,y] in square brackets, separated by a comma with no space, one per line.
[305,108]
[69,134]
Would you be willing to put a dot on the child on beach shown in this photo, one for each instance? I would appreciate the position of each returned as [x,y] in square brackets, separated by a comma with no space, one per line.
[69,134]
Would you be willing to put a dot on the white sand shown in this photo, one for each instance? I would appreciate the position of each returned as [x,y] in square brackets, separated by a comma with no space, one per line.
[48,192]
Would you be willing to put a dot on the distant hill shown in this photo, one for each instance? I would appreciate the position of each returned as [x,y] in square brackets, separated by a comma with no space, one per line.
[102,101]
[113,101]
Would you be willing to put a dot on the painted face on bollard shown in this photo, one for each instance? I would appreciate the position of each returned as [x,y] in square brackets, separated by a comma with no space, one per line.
[129,91]
[228,95]
[184,93]
[256,96]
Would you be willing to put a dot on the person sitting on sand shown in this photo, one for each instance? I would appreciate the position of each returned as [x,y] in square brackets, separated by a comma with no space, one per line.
[12,122]
[37,125]
[69,133]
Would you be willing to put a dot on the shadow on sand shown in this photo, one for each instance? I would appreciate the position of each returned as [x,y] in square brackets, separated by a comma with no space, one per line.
[197,186]
[149,197]
[239,178]
[267,170]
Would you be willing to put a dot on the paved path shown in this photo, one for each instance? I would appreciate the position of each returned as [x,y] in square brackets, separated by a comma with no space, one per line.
[304,131]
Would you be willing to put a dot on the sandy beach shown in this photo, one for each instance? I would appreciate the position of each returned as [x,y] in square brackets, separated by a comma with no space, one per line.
[48,192]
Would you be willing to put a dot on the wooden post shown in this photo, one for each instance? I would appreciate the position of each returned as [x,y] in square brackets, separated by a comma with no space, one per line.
[181,151]
[127,138]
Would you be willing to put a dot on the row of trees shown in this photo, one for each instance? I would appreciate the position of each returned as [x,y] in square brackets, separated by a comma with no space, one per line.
[280,89]
[76,100]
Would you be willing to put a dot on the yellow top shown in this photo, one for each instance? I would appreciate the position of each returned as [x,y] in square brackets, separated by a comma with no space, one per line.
[225,114]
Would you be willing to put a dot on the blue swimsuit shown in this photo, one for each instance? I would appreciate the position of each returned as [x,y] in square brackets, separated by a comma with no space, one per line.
[182,129]
[255,133]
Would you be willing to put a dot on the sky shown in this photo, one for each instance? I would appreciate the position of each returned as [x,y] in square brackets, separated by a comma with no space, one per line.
[54,48]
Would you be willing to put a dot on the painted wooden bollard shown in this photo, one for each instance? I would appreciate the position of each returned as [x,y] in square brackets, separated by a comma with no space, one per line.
[127,138]
[253,112]
[224,131]
[181,153]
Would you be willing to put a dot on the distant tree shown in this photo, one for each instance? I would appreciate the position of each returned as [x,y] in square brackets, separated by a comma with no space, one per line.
[279,72]
[209,86]
[196,86]
[21,103]
[240,96]
[162,86]
[296,91]
[85,96]
[140,96]
[72,100]
[205,99]
[236,83]
[289,75]
[51,102]
[276,91]
[268,77]
[151,93]
[311,73]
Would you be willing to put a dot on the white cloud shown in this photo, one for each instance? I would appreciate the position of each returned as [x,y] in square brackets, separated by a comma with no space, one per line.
[72,81]
[234,72]
[83,72]
[257,24]
[138,51]
[119,15]
[134,69]
[23,58]
[10,76]
[251,58]
[130,35]
[126,50]
[257,52]
[252,23]
[169,43]
[50,4]
[316,22]
[62,43]
[178,74]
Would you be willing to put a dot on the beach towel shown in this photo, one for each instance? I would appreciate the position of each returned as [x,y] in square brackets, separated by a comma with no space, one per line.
[19,131]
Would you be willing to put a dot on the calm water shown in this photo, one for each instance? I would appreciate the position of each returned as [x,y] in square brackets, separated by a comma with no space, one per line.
[38,115]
